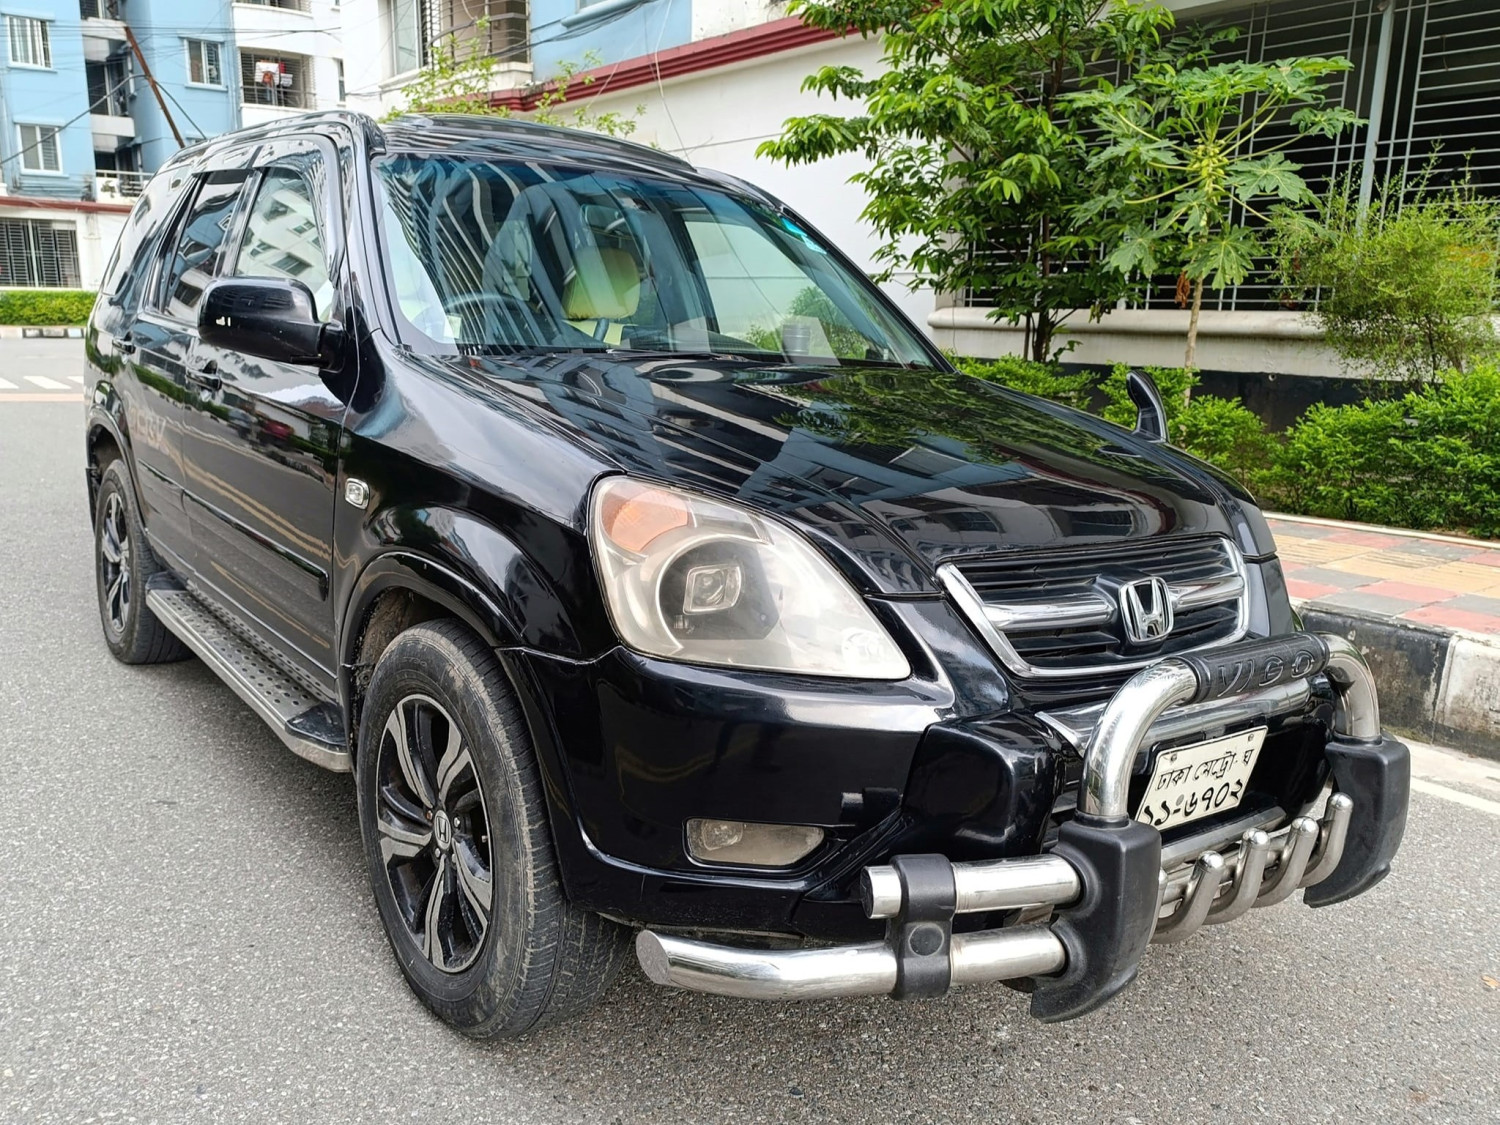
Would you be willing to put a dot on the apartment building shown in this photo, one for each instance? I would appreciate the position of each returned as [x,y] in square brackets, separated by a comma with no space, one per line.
[95,95]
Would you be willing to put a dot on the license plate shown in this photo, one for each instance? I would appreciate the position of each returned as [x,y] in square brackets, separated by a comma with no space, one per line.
[1199,780]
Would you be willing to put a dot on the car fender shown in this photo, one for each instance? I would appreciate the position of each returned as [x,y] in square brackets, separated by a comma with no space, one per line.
[106,415]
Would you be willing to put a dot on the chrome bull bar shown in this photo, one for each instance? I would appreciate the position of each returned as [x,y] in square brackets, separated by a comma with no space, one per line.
[1091,948]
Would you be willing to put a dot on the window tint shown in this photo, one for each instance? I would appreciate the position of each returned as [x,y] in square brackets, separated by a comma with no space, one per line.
[131,262]
[200,242]
[283,236]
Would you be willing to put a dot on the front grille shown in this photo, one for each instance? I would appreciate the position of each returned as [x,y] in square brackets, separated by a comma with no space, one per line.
[1058,613]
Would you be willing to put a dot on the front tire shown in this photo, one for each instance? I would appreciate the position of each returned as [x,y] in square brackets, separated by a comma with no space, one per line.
[122,564]
[458,846]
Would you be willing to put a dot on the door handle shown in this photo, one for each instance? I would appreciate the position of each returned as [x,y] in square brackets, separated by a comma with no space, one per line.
[206,374]
[124,345]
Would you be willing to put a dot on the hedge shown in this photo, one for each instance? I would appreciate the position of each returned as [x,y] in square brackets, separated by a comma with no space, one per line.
[1429,460]
[45,308]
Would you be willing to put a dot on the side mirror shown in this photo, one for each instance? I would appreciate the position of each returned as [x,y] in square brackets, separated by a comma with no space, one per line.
[1150,411]
[269,318]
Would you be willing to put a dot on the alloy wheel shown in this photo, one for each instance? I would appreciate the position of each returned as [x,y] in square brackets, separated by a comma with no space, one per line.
[434,833]
[114,563]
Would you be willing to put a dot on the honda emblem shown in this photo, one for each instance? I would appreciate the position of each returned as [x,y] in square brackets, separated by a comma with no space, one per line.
[1146,610]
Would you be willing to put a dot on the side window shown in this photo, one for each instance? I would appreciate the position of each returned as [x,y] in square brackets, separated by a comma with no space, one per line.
[200,243]
[284,236]
[130,264]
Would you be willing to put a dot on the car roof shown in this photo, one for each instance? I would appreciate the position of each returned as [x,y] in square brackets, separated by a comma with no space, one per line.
[474,134]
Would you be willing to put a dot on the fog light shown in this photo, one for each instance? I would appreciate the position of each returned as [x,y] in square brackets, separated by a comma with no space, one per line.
[754,845]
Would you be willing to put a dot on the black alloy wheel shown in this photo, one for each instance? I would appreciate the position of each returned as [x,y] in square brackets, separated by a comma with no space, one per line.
[454,817]
[114,564]
[434,833]
[123,563]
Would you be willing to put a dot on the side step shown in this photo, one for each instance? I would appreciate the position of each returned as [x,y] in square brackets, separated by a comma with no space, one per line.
[309,726]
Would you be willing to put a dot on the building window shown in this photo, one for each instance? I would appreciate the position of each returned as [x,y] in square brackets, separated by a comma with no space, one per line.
[35,252]
[40,151]
[405,20]
[276,80]
[203,63]
[340,64]
[30,45]
[285,5]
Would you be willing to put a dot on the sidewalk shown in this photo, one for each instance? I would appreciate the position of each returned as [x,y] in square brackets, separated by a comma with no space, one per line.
[1425,611]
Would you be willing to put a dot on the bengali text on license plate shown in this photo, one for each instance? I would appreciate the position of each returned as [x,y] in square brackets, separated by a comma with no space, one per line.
[1199,780]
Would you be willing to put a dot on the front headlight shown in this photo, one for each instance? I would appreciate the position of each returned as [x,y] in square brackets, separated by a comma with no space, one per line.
[693,578]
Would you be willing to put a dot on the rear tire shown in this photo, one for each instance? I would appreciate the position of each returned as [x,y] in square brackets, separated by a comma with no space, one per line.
[459,850]
[122,565]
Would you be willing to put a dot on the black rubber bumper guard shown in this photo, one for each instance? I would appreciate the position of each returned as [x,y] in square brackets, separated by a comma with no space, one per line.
[1104,876]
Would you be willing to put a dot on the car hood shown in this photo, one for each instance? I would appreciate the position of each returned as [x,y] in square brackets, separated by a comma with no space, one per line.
[900,468]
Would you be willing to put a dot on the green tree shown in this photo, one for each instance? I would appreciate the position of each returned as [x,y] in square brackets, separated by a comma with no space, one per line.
[975,160]
[1192,139]
[457,79]
[1406,289]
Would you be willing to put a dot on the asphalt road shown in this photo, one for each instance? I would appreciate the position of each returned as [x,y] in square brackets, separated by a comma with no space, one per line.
[186,934]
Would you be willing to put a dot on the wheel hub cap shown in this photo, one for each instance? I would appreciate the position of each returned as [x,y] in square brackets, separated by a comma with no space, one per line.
[434,833]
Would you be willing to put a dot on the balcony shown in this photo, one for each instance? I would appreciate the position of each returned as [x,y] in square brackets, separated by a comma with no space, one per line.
[273,85]
[119,187]
[103,30]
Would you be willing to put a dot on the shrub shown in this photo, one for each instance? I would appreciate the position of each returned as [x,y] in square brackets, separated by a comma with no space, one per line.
[1406,291]
[45,307]
[1428,460]
[1045,380]
[1224,433]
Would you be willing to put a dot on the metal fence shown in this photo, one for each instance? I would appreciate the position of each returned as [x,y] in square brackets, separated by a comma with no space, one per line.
[35,252]
[1426,81]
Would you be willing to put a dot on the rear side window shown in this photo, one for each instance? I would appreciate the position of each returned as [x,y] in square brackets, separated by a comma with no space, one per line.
[131,263]
[200,244]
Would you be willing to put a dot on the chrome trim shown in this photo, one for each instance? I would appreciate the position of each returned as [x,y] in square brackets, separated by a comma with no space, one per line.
[1186,850]
[767,974]
[990,955]
[1358,711]
[1335,831]
[1064,613]
[1287,877]
[849,970]
[989,884]
[1255,851]
[1208,873]
[990,619]
[1076,724]
[1122,728]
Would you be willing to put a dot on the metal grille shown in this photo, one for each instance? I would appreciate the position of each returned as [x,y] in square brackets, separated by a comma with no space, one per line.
[1059,613]
[276,80]
[477,27]
[38,253]
[1441,86]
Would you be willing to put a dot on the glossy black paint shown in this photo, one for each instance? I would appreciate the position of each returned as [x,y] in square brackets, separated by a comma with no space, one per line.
[479,472]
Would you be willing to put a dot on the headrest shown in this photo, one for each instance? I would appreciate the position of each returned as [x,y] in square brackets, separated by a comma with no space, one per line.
[606,285]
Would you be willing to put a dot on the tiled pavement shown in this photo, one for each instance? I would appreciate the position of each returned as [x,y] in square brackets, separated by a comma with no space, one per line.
[1449,583]
[1424,610]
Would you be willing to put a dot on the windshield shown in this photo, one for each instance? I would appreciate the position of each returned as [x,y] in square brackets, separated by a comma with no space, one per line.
[491,256]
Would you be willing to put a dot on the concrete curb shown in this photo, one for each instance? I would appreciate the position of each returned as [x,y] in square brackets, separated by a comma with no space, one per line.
[35,332]
[1436,685]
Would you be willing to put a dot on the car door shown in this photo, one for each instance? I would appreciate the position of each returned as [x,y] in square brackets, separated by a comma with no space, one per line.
[261,439]
[156,343]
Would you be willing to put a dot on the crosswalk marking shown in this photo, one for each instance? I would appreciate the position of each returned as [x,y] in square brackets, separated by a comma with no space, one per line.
[7,385]
[45,383]
[76,379]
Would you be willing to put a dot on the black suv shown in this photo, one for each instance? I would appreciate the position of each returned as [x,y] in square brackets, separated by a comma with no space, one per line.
[655,576]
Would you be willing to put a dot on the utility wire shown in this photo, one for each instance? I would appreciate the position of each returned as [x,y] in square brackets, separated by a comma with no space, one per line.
[56,130]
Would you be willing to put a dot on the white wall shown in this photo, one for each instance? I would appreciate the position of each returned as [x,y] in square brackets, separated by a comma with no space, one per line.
[717,118]
[720,17]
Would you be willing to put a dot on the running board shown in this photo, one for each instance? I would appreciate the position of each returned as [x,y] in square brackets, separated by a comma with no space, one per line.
[309,726]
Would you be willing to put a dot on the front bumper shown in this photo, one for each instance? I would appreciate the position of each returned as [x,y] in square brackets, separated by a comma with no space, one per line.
[1111,886]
